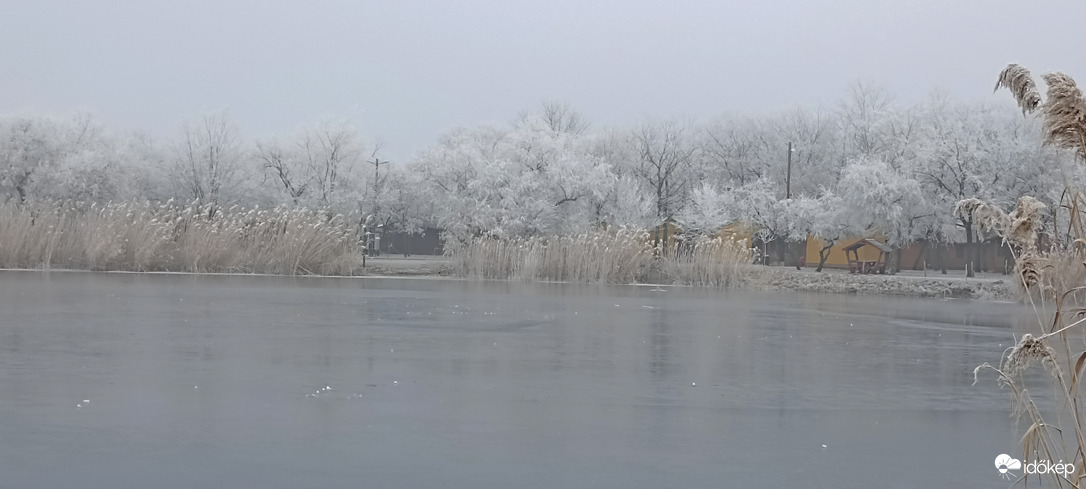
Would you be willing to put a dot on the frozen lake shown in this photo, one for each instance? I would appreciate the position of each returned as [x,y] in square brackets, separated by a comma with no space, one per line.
[219,381]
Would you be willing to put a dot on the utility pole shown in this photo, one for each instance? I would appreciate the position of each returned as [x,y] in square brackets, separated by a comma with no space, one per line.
[376,180]
[377,164]
[376,204]
[788,178]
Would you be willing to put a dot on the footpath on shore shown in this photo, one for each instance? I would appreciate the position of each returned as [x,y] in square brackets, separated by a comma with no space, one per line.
[985,286]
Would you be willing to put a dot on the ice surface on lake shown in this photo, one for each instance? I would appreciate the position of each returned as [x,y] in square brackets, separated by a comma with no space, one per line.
[528,385]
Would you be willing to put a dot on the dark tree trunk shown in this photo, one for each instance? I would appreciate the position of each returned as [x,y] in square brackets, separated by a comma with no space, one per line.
[893,262]
[799,247]
[824,254]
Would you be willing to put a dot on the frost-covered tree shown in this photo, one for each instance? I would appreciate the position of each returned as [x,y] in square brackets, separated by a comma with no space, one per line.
[207,160]
[623,198]
[730,151]
[524,180]
[665,157]
[560,117]
[816,159]
[708,209]
[627,204]
[870,125]
[29,149]
[284,169]
[972,151]
[828,220]
[758,203]
[320,166]
[406,207]
[331,151]
[75,159]
[884,201]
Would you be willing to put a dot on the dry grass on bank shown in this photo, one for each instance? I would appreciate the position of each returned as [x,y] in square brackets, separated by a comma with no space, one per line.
[620,256]
[180,238]
[614,257]
[713,262]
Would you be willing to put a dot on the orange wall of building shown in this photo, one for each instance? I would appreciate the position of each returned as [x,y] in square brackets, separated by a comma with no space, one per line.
[991,255]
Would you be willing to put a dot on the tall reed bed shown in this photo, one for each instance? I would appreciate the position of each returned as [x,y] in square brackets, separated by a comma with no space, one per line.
[606,256]
[612,256]
[174,237]
[709,261]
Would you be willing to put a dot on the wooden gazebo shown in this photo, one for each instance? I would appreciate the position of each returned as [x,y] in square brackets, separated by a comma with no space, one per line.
[856,265]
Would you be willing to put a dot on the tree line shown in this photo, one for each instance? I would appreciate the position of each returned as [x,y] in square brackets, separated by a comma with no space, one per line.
[867,165]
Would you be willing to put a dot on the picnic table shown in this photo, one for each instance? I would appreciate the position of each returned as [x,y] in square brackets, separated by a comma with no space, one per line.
[858,266]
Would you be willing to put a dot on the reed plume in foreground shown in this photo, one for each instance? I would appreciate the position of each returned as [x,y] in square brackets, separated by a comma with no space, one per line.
[1055,433]
[1054,283]
[1019,81]
[1063,112]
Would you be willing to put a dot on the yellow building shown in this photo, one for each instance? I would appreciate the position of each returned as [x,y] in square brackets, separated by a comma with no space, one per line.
[666,236]
[738,231]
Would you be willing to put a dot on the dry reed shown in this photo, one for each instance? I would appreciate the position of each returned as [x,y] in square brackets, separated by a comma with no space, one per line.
[171,237]
[1053,282]
[616,256]
[1064,111]
[1019,81]
[710,261]
[608,256]
[1065,114]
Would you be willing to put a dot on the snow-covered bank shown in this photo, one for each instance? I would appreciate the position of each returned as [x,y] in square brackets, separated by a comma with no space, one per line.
[987,287]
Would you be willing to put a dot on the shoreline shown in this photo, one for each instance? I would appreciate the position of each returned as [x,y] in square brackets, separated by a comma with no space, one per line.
[908,283]
[985,287]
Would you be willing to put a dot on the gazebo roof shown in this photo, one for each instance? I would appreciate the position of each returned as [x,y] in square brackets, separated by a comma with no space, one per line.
[867,241]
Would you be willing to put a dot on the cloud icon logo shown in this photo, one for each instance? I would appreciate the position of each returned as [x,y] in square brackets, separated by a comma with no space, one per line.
[1005,463]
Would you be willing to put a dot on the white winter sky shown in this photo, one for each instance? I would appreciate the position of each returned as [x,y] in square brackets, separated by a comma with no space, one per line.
[406,71]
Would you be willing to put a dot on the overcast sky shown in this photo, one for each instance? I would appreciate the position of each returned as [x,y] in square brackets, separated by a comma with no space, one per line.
[406,71]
